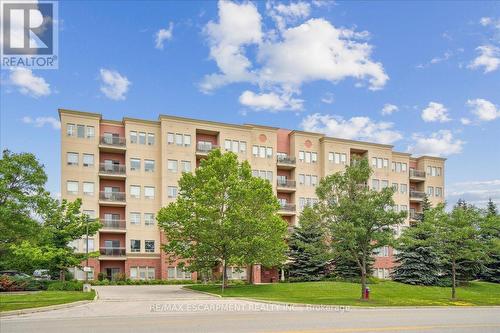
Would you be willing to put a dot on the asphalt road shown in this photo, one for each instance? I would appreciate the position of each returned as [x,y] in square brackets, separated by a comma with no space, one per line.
[172,309]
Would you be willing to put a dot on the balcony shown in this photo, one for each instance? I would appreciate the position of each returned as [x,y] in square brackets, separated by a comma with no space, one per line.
[112,144]
[112,252]
[202,149]
[417,196]
[285,162]
[112,198]
[417,216]
[113,225]
[112,171]
[287,209]
[417,175]
[285,185]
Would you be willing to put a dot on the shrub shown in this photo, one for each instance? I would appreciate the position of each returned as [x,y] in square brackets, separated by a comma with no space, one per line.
[66,286]
[100,276]
[139,282]
[9,283]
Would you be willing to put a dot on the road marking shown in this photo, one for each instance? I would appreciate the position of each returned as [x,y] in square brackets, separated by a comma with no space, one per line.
[391,328]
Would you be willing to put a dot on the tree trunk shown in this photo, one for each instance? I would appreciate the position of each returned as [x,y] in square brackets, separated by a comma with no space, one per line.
[62,275]
[453,280]
[224,275]
[250,274]
[363,283]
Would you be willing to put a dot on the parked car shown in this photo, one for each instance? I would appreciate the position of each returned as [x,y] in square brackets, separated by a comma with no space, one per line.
[41,274]
[15,274]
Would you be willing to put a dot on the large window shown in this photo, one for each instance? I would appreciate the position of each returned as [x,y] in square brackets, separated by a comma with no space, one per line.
[90,132]
[186,166]
[88,188]
[172,191]
[133,137]
[178,139]
[135,245]
[170,138]
[172,165]
[142,138]
[439,191]
[151,139]
[135,164]
[149,219]
[149,192]
[149,246]
[375,184]
[177,273]
[72,158]
[135,218]
[135,191]
[142,273]
[403,188]
[80,131]
[70,129]
[149,165]
[430,191]
[187,140]
[72,187]
[88,160]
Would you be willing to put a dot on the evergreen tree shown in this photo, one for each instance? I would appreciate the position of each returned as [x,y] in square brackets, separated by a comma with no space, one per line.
[309,253]
[491,208]
[490,232]
[417,262]
[346,268]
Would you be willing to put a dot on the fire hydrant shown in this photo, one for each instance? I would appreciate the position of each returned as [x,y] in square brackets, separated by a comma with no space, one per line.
[367,293]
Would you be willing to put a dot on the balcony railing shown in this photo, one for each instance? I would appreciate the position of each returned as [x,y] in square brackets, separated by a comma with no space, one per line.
[113,141]
[417,194]
[113,224]
[286,160]
[417,173]
[205,148]
[112,251]
[112,196]
[112,169]
[416,216]
[287,207]
[286,183]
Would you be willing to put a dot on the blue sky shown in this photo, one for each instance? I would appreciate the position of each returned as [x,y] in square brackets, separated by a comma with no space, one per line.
[423,76]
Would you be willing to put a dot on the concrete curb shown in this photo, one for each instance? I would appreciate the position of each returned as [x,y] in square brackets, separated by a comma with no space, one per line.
[47,308]
[201,292]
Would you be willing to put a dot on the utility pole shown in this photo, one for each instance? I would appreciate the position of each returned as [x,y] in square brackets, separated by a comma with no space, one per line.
[87,249]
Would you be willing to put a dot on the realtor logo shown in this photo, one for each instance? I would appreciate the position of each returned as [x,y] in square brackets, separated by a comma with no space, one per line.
[29,34]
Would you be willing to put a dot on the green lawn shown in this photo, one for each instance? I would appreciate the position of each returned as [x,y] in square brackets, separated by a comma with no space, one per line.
[43,298]
[384,293]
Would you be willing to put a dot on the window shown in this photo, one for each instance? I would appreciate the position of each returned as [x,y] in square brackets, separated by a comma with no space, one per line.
[393,168]
[135,164]
[89,213]
[430,191]
[314,157]
[243,146]
[386,163]
[149,192]
[88,160]
[135,218]
[308,180]
[170,138]
[80,131]
[176,273]
[90,244]
[374,162]
[90,132]
[308,157]
[142,138]
[172,165]
[186,166]
[70,129]
[72,158]
[429,171]
[255,173]
[135,191]
[269,152]
[142,273]
[404,208]
[301,156]
[381,251]
[438,171]
[72,187]
[151,139]
[88,188]
[269,176]
[255,151]
[337,158]
[301,179]
[403,188]
[187,140]
[236,146]
[262,174]
[149,246]
[149,219]
[262,152]
[395,187]
[133,137]
[330,157]
[384,184]
[403,167]
[135,245]
[149,165]
[178,139]
[439,191]
[314,180]
[172,191]
[379,163]
[227,145]
[375,184]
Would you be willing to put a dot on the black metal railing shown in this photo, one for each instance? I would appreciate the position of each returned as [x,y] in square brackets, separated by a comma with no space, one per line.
[416,216]
[287,207]
[113,141]
[286,183]
[112,169]
[205,147]
[417,194]
[112,251]
[417,173]
[112,196]
[113,224]
[286,160]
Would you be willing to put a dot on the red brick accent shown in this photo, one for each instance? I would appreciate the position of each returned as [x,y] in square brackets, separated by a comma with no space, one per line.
[385,262]
[283,145]
[206,137]
[256,276]
[111,156]
[269,275]
[112,264]
[117,129]
[104,236]
[143,262]
[114,183]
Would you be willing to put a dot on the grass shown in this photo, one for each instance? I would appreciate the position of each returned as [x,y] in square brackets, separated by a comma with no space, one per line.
[19,301]
[384,293]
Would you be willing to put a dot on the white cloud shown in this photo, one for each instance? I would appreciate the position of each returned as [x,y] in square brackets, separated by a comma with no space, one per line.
[284,14]
[441,143]
[356,128]
[269,101]
[465,121]
[435,112]
[489,58]
[320,51]
[42,121]
[163,35]
[474,192]
[436,60]
[28,83]
[328,98]
[389,109]
[114,85]
[491,22]
[483,109]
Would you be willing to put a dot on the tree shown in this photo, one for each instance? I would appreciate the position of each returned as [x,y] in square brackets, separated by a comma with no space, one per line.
[346,268]
[490,234]
[491,208]
[358,217]
[22,197]
[224,216]
[456,237]
[63,222]
[309,253]
[417,262]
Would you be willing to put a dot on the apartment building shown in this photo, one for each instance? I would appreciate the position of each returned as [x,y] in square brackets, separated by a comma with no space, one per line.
[125,171]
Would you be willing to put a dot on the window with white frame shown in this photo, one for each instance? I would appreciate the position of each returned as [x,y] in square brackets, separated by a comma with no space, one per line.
[395,187]
[384,184]
[381,251]
[151,139]
[135,218]
[149,246]
[135,245]
[243,147]
[135,191]
[302,179]
[262,152]
[375,184]
[72,158]
[172,191]
[430,191]
[187,140]
[403,188]
[170,138]
[149,165]
[88,188]
[142,273]
[314,180]
[88,160]
[90,244]
[186,166]
[439,192]
[172,165]
[314,157]
[149,192]
[227,145]
[269,152]
[135,164]
[149,219]
[71,187]
[70,129]
[90,132]
[301,156]
[179,139]
[133,137]
[308,157]
[178,273]
[142,138]
[255,151]
[80,131]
